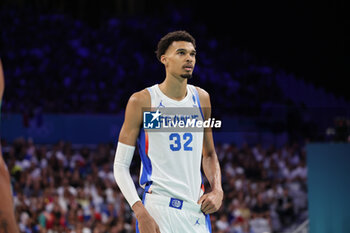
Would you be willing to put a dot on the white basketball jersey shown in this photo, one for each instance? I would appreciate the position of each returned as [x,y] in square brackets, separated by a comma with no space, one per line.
[171,161]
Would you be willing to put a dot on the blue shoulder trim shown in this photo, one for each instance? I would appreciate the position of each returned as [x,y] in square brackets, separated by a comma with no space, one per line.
[199,103]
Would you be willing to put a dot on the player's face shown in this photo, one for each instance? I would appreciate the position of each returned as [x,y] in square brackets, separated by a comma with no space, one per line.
[180,59]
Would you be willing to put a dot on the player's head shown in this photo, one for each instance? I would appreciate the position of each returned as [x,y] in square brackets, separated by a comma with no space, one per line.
[176,50]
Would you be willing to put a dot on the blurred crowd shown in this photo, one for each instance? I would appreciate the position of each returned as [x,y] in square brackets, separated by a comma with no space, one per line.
[74,67]
[68,188]
[55,63]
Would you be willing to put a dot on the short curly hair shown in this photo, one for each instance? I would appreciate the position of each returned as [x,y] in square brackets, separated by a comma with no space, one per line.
[169,38]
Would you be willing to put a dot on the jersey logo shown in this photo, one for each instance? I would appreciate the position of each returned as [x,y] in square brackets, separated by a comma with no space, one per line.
[176,203]
[161,104]
[151,120]
[197,222]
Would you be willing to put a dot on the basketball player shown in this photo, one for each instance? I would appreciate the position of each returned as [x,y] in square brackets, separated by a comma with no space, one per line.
[7,217]
[174,199]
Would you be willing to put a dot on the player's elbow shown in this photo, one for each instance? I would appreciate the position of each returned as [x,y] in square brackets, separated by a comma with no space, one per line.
[210,154]
[119,172]
[122,161]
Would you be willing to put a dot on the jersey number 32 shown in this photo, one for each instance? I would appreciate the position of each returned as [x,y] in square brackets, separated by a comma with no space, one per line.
[176,144]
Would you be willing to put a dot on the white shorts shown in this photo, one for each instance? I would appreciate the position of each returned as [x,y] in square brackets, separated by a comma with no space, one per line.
[176,216]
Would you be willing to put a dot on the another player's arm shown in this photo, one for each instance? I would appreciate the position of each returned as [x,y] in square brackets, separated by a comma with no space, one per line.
[125,150]
[211,201]
[7,217]
[2,82]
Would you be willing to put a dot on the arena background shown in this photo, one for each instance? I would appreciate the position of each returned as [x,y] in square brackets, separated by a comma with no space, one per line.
[275,70]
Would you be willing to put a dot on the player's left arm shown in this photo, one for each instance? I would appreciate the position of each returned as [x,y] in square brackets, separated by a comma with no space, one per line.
[211,201]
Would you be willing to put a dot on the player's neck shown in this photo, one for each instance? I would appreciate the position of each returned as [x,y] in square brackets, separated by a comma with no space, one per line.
[174,88]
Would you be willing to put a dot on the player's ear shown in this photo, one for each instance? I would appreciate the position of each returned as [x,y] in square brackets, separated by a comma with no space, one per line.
[163,59]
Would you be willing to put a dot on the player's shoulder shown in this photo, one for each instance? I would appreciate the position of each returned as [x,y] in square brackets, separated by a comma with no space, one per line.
[204,97]
[203,94]
[141,98]
[201,91]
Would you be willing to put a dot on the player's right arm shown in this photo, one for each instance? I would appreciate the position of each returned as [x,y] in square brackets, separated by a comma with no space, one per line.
[7,217]
[125,150]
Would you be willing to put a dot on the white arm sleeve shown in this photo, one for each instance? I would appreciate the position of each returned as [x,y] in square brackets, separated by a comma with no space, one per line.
[122,161]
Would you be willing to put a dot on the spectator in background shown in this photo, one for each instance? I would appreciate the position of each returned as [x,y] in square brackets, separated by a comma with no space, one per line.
[260,221]
[285,208]
[222,224]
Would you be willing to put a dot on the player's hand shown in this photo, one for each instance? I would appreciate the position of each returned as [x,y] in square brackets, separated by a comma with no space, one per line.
[211,202]
[146,223]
